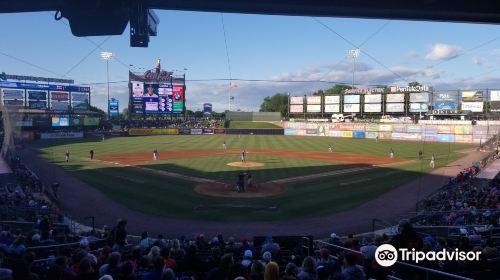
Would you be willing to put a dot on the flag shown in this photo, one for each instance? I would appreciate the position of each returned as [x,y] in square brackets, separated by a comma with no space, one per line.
[158,66]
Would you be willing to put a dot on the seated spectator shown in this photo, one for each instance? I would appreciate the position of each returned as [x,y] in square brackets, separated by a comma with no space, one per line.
[5,273]
[145,242]
[86,272]
[247,259]
[158,271]
[272,271]
[270,246]
[308,269]
[257,271]
[222,271]
[291,272]
[266,257]
[17,247]
[351,271]
[112,267]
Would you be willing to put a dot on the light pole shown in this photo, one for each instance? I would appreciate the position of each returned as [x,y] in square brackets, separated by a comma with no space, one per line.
[354,53]
[107,56]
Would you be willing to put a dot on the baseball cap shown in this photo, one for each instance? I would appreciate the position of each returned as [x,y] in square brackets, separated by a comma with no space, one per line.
[248,254]
[267,256]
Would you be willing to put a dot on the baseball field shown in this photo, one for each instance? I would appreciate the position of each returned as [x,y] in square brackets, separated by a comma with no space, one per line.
[194,177]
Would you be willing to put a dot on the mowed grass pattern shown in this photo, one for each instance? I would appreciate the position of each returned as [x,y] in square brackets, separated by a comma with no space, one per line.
[160,195]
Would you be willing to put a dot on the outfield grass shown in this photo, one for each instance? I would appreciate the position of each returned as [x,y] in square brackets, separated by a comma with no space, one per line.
[171,197]
[252,125]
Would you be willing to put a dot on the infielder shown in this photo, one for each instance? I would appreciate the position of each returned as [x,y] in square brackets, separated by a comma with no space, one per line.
[155,154]
[224,147]
[330,148]
[420,155]
[391,153]
[91,154]
[67,155]
[433,159]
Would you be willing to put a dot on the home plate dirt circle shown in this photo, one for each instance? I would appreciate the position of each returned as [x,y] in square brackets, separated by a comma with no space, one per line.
[228,190]
[245,164]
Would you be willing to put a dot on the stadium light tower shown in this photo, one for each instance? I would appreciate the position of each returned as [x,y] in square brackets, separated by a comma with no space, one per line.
[107,56]
[354,53]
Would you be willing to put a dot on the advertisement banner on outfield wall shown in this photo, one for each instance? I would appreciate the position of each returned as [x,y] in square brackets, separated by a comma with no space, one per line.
[335,126]
[406,136]
[463,138]
[295,125]
[385,127]
[395,98]
[196,131]
[430,130]
[332,99]
[351,126]
[347,134]
[446,129]
[358,134]
[219,131]
[154,131]
[184,131]
[61,135]
[398,128]
[429,138]
[323,129]
[311,132]
[332,108]
[311,125]
[446,138]
[335,133]
[463,129]
[289,131]
[372,127]
[208,131]
[371,135]
[480,130]
[414,129]
[395,107]
[385,135]
[300,132]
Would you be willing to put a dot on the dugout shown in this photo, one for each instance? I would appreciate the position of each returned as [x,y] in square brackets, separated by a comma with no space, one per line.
[253,116]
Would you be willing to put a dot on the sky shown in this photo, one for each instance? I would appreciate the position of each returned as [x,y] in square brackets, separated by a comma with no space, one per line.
[280,49]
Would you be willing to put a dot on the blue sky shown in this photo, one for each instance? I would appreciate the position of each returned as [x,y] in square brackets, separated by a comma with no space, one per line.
[260,47]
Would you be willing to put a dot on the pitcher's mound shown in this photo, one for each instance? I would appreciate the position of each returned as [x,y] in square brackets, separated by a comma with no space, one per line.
[228,190]
[245,164]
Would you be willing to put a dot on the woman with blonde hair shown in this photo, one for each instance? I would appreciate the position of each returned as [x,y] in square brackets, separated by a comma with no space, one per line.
[272,271]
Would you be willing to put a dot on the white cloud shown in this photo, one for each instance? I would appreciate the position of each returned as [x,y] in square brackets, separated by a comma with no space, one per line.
[412,54]
[441,51]
[477,60]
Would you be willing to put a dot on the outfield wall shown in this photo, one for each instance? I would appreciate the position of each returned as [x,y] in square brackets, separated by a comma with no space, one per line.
[411,132]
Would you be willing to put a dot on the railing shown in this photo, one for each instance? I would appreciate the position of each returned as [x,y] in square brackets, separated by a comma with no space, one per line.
[428,271]
[383,223]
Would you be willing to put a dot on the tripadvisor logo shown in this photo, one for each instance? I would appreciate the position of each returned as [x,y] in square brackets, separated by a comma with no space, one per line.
[386,255]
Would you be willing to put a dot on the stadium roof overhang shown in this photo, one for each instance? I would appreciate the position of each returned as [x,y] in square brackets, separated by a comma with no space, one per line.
[112,16]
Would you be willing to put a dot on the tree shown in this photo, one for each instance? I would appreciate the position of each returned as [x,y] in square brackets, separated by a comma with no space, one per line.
[124,114]
[276,103]
[336,90]
[414,84]
[97,110]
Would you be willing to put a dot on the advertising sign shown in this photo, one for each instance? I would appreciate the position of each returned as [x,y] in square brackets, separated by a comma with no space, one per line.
[472,95]
[61,135]
[495,95]
[196,131]
[463,129]
[421,97]
[153,131]
[373,108]
[207,109]
[463,138]
[335,133]
[313,100]
[332,99]
[296,100]
[114,107]
[399,128]
[445,105]
[137,89]
[91,121]
[80,101]
[446,129]
[296,108]
[346,134]
[37,95]
[472,106]
[60,121]
[351,108]
[13,94]
[372,127]
[178,98]
[395,97]
[373,98]
[495,106]
[313,108]
[418,107]
[395,107]
[351,98]
[446,138]
[332,108]
[385,127]
[39,105]
[413,128]
[371,135]
[358,134]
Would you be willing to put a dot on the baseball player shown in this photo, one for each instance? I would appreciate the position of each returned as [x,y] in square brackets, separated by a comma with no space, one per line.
[433,160]
[330,148]
[66,155]
[420,155]
[391,153]
[155,154]
[103,137]
[224,147]
[91,154]
[243,155]
[376,139]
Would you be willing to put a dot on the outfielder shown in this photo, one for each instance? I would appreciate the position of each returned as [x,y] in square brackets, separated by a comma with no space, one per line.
[66,155]
[433,159]
[391,153]
[330,148]
[155,154]
[224,147]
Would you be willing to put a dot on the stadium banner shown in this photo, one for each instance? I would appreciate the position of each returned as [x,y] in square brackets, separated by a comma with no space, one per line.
[372,127]
[352,126]
[430,130]
[61,135]
[80,101]
[295,125]
[153,131]
[335,126]
[395,98]
[351,99]
[401,128]
[313,108]
[346,134]
[419,97]
[472,96]
[446,129]
[446,138]
[385,135]
[219,131]
[332,99]
[430,138]
[208,131]
[196,131]
[373,98]
[25,123]
[13,94]
[335,133]
[418,107]
[445,105]
[37,95]
[91,121]
[207,109]
[184,131]
[371,135]
[297,108]
[494,130]
[351,108]
[373,108]
[463,129]
[323,129]
[494,106]
[332,108]
[395,107]
[358,134]
[60,121]
[289,131]
[312,132]
[495,95]
[472,106]
[445,96]
[300,132]
[385,127]
[406,136]
[413,128]
[40,105]
[480,130]
[311,125]
[313,100]
[463,138]
[297,100]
